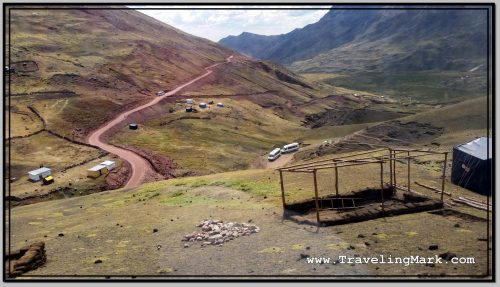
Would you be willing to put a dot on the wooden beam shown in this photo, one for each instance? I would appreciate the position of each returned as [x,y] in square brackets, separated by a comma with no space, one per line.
[472,204]
[333,159]
[382,183]
[444,176]
[431,188]
[336,181]
[390,165]
[310,169]
[316,197]
[400,187]
[408,170]
[475,200]
[282,190]
[394,167]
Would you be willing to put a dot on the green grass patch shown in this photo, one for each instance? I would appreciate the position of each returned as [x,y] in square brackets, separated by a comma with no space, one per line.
[253,187]
[426,87]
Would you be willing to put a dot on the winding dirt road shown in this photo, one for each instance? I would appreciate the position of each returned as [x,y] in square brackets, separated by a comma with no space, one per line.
[140,167]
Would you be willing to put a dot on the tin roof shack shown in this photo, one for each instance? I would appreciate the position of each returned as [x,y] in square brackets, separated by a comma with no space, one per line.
[133,126]
[471,168]
[109,164]
[97,171]
[39,174]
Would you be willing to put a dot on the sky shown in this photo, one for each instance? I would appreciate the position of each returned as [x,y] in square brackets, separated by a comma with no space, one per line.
[215,24]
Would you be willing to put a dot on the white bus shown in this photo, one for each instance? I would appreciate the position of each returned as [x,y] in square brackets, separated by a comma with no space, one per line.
[274,154]
[290,148]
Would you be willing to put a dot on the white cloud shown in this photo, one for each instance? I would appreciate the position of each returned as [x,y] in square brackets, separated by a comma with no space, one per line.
[217,22]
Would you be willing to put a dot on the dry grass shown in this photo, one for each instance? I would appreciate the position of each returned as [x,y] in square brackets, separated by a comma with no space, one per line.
[215,139]
[127,245]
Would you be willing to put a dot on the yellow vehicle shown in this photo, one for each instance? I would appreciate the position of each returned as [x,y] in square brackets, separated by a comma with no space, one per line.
[48,180]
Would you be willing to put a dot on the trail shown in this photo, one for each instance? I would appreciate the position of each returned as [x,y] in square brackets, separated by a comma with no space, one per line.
[140,167]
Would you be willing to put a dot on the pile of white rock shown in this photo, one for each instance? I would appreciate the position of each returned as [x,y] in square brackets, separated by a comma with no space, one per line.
[216,232]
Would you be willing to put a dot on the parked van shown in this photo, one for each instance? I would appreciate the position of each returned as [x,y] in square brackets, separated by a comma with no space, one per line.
[274,154]
[290,148]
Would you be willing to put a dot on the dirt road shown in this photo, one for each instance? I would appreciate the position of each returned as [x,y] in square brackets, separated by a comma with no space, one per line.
[140,167]
[281,161]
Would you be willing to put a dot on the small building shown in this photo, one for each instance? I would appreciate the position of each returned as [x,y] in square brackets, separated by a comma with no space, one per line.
[133,126]
[189,101]
[472,166]
[220,105]
[189,109]
[39,174]
[109,164]
[203,105]
[97,171]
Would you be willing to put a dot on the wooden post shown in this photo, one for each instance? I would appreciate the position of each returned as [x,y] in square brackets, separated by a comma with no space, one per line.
[390,166]
[394,167]
[382,183]
[282,190]
[336,180]
[316,197]
[408,171]
[444,175]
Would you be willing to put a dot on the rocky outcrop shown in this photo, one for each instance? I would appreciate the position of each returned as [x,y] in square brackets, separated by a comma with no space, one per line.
[26,259]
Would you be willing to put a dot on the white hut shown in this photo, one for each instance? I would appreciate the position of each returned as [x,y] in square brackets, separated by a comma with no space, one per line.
[97,170]
[109,164]
[38,174]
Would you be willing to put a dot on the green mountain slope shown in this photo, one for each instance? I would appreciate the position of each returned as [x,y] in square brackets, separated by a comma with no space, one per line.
[376,40]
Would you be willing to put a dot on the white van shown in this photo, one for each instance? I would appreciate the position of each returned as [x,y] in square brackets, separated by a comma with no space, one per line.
[274,154]
[290,148]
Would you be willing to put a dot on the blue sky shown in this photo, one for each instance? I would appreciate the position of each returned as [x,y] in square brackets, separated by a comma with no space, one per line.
[216,24]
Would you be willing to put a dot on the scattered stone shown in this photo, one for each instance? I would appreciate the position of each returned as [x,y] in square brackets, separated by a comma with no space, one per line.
[303,256]
[456,225]
[447,255]
[361,236]
[367,243]
[61,234]
[216,232]
[308,247]
[98,261]
[186,245]
[155,230]
[433,247]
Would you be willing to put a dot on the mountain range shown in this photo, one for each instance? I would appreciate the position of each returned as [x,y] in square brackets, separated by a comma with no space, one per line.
[347,39]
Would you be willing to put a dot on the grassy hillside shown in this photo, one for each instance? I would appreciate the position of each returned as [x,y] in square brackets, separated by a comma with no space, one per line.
[215,139]
[149,243]
[431,87]
[438,128]
[82,64]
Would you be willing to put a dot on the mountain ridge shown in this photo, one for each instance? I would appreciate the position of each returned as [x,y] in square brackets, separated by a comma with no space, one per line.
[419,39]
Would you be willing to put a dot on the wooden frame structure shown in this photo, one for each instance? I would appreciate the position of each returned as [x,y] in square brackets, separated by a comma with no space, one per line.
[393,156]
